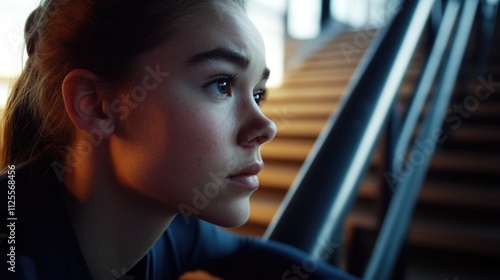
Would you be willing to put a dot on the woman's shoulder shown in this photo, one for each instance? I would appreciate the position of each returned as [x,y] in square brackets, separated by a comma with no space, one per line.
[31,190]
[42,236]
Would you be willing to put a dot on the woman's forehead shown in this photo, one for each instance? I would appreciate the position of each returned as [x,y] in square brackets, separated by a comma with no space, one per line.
[223,26]
[226,28]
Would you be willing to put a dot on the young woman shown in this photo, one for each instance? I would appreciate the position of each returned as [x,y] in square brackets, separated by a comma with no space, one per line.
[131,121]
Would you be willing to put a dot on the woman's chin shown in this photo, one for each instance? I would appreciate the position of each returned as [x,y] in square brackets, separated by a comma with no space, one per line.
[229,217]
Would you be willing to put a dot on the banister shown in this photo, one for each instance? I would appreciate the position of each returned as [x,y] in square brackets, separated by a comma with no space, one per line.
[312,213]
[398,217]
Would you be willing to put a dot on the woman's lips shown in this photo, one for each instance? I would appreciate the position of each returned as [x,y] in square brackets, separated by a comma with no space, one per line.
[247,176]
[249,181]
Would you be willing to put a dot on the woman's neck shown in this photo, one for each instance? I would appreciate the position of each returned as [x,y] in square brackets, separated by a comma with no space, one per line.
[115,227]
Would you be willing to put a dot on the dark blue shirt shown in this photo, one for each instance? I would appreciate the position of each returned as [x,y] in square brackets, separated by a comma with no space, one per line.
[38,242]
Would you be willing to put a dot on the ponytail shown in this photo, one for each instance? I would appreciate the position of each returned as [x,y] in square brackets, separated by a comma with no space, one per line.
[24,139]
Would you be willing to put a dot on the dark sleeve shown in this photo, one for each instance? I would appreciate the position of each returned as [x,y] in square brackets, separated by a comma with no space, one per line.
[232,256]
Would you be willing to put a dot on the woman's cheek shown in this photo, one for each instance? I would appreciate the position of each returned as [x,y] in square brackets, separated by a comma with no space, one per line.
[211,128]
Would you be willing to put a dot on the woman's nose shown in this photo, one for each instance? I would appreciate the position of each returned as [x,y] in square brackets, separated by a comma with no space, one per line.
[257,130]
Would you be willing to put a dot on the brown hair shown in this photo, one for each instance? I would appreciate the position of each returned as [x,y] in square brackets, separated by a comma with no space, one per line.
[102,36]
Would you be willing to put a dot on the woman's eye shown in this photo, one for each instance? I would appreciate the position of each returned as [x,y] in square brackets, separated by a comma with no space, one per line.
[221,86]
[260,96]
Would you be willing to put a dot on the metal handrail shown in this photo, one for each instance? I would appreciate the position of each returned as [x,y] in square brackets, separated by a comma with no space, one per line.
[312,213]
[398,217]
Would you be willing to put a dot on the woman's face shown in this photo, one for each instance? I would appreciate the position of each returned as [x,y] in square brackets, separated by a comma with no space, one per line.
[189,132]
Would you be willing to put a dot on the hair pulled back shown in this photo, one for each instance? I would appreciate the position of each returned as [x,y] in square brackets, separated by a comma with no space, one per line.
[102,36]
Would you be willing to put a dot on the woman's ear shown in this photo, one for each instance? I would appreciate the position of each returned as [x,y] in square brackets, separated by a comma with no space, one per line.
[85,103]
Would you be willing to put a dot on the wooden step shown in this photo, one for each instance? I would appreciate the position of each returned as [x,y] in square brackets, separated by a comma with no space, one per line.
[310,96]
[300,128]
[460,234]
[287,149]
[290,112]
[278,176]
[475,135]
[329,72]
[458,194]
[440,232]
[344,74]
[340,60]
[442,191]
[317,90]
[264,207]
[465,162]
[319,76]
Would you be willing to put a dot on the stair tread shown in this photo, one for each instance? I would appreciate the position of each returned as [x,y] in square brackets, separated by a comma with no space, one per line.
[468,132]
[458,160]
[436,191]
[278,176]
[287,149]
[301,128]
[313,95]
[442,232]
[465,161]
[280,112]
[424,230]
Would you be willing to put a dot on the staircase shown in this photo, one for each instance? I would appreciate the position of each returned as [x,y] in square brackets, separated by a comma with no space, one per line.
[455,231]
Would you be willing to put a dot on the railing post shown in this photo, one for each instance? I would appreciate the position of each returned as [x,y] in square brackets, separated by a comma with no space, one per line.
[386,188]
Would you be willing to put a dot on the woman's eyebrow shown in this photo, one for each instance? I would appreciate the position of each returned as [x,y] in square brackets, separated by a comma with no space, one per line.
[222,54]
